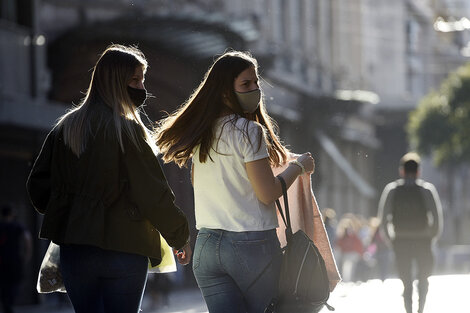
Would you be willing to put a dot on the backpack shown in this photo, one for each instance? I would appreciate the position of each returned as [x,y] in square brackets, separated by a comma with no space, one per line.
[409,209]
[304,284]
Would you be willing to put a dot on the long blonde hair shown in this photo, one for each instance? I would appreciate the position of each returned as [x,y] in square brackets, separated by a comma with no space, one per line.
[111,75]
[193,123]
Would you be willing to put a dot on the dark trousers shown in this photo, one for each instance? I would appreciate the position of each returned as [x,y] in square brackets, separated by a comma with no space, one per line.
[419,251]
[101,281]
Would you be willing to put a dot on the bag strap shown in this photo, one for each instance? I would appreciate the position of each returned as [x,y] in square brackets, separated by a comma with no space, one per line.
[271,307]
[278,205]
[287,223]
[286,219]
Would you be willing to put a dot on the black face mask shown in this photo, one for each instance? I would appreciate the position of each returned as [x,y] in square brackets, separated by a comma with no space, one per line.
[138,96]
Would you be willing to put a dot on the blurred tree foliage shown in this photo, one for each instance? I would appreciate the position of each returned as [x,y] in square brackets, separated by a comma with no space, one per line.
[440,125]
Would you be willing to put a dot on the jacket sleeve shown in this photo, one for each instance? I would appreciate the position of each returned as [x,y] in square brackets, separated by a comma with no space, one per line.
[150,192]
[434,205]
[384,210]
[38,184]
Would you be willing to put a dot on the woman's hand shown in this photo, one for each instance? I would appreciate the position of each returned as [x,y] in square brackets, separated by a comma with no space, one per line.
[184,254]
[308,162]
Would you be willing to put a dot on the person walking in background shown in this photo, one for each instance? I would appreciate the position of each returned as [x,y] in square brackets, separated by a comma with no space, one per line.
[349,245]
[103,193]
[15,252]
[329,219]
[378,250]
[411,217]
[224,127]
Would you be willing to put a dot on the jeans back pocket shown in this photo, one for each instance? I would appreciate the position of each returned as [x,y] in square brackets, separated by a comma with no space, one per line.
[199,246]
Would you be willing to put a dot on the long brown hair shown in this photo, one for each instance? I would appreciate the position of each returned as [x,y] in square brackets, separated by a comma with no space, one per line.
[193,123]
[111,75]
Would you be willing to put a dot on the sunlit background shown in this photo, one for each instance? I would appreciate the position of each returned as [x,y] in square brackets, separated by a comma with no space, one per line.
[341,78]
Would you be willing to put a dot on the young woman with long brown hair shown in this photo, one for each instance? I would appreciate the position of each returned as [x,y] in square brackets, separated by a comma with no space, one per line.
[226,131]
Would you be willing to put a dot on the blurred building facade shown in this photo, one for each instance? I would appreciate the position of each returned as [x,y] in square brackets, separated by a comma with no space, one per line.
[358,68]
[340,77]
[301,39]
[384,56]
[452,27]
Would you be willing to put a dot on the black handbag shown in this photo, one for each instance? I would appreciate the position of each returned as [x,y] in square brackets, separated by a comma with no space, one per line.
[303,285]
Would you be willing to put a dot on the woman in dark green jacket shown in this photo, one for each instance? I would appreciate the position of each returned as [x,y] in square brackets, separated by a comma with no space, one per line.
[102,191]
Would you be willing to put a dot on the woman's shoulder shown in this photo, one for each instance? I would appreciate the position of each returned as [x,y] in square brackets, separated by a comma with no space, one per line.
[250,123]
[240,124]
[248,134]
[100,116]
[103,118]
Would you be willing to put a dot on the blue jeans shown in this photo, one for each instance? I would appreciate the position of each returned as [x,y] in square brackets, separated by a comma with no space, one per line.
[99,280]
[237,271]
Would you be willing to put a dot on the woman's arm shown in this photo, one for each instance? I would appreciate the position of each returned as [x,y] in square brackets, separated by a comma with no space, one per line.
[150,193]
[266,186]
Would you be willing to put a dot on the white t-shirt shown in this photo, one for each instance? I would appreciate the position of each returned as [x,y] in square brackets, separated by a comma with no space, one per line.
[224,197]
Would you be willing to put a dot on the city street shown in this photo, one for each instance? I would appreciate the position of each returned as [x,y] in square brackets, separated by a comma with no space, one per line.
[447,293]
[103,104]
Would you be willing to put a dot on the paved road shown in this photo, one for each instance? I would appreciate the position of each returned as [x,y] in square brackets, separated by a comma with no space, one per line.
[447,294]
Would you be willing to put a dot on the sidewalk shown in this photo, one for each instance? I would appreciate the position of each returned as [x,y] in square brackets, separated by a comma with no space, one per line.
[447,293]
[180,301]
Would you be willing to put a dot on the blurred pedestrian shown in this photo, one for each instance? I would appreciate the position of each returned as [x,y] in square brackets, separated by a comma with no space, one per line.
[224,127]
[15,252]
[349,245]
[411,216]
[378,251]
[363,267]
[103,193]
[329,219]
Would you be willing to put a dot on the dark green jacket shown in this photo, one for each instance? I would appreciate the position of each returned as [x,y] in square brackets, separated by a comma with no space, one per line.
[105,198]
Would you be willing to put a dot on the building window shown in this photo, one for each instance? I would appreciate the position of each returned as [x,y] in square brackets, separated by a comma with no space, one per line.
[412,33]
